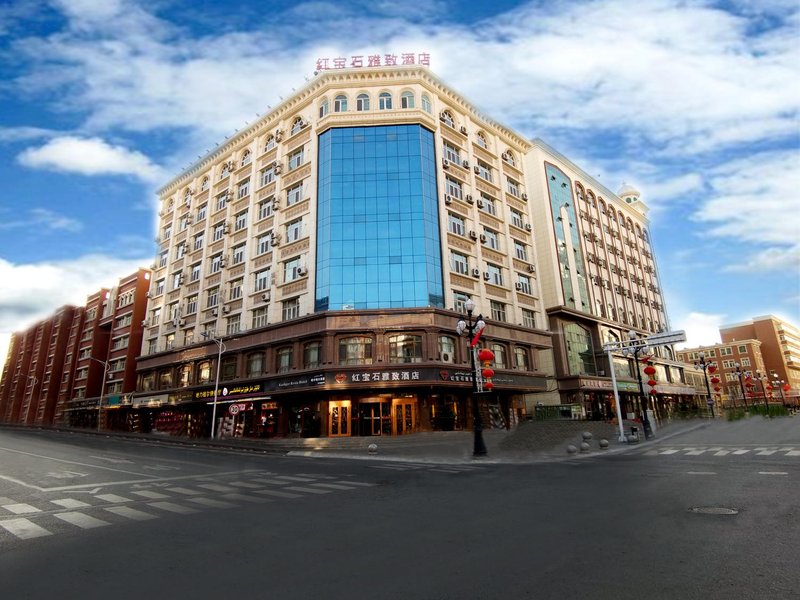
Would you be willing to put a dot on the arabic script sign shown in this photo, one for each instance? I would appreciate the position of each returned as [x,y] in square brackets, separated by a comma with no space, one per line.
[373,60]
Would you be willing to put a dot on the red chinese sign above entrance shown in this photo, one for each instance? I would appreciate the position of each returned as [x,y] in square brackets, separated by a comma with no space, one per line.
[373,60]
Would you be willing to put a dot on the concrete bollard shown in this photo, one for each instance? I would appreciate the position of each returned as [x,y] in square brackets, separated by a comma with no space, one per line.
[584,447]
[373,448]
[587,435]
[603,444]
[571,449]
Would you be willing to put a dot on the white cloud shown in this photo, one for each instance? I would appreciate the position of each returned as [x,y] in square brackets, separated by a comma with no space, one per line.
[90,156]
[42,220]
[702,329]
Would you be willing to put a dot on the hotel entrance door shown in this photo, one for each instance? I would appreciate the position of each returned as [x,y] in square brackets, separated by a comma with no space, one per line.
[339,418]
[404,418]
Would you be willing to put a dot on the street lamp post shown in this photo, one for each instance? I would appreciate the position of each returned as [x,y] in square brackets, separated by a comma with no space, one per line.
[221,347]
[704,365]
[779,384]
[636,349]
[474,329]
[761,378]
[739,376]
[102,389]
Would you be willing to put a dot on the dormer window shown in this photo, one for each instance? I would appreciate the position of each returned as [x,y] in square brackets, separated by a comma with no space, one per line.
[297,125]
[447,118]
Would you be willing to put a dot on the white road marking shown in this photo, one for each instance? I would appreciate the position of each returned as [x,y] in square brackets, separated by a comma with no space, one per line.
[24,529]
[81,520]
[695,452]
[444,471]
[740,452]
[766,452]
[333,486]
[149,494]
[299,479]
[244,484]
[390,467]
[297,488]
[215,488]
[171,507]
[722,453]
[130,513]
[211,502]
[70,503]
[21,509]
[701,473]
[359,483]
[113,459]
[245,498]
[184,491]
[271,481]
[787,449]
[112,498]
[793,453]
[72,462]
[773,473]
[278,494]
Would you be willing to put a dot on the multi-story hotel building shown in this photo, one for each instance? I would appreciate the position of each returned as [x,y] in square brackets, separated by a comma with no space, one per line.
[316,264]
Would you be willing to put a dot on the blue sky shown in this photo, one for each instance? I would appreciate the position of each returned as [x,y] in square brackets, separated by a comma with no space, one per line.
[694,102]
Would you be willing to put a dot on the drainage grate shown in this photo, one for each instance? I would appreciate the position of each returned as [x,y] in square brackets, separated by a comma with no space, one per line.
[714,510]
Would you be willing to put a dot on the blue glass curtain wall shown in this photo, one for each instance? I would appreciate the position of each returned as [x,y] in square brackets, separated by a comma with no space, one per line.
[378,242]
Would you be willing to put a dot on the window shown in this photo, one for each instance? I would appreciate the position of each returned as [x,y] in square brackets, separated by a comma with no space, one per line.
[159,288]
[219,231]
[167,232]
[222,201]
[294,230]
[498,310]
[198,241]
[297,125]
[180,251]
[355,351]
[447,118]
[191,304]
[312,353]
[524,284]
[265,208]
[489,204]
[499,356]
[204,372]
[238,253]
[728,364]
[745,362]
[742,349]
[512,187]
[453,188]
[233,324]
[226,170]
[290,269]
[255,364]
[528,318]
[407,100]
[296,158]
[459,263]
[162,258]
[291,309]
[362,102]
[580,351]
[246,157]
[177,280]
[491,240]
[212,297]
[284,360]
[235,288]
[480,139]
[426,104]
[195,273]
[265,243]
[495,274]
[340,103]
[459,299]
[263,280]
[484,170]
[294,194]
[241,221]
[227,369]
[260,317]
[268,175]
[324,108]
[216,263]
[447,348]
[516,218]
[269,143]
[204,184]
[455,224]
[520,250]
[183,223]
[450,153]
[120,342]
[726,351]
[385,101]
[201,212]
[508,156]
[405,348]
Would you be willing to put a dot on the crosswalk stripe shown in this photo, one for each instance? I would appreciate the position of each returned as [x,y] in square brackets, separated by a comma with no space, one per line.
[81,520]
[390,467]
[773,473]
[298,479]
[722,453]
[695,452]
[211,502]
[245,498]
[264,480]
[184,491]
[444,471]
[149,494]
[175,508]
[333,486]
[21,509]
[310,490]
[24,529]
[766,453]
[130,513]
[70,503]
[277,494]
[317,476]
[671,451]
[215,487]
[244,484]
[793,453]
[359,483]
[112,498]
[740,452]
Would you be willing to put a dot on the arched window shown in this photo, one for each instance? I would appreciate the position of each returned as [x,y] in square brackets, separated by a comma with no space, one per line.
[602,207]
[312,355]
[228,369]
[447,118]
[447,348]
[340,103]
[362,102]
[323,108]
[579,350]
[355,351]
[204,184]
[255,364]
[385,101]
[204,372]
[508,156]
[270,143]
[591,199]
[480,139]
[499,356]
[165,380]
[185,376]
[284,360]
[407,100]
[246,157]
[226,170]
[297,125]
[426,104]
[521,359]
[405,348]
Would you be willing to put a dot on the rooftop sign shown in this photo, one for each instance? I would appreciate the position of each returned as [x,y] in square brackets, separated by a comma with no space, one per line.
[373,60]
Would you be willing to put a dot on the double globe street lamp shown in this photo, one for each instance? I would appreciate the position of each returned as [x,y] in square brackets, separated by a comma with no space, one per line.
[705,366]
[637,349]
[740,376]
[474,329]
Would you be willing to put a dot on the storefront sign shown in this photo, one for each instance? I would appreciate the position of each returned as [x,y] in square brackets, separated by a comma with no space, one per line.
[230,392]
[156,400]
[373,60]
[269,406]
[302,381]
[378,376]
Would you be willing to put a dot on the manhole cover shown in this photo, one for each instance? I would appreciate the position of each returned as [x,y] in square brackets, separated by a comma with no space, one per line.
[714,510]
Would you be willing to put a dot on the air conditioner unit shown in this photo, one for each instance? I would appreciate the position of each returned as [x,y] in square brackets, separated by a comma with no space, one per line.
[486,275]
[445,163]
[448,199]
[473,235]
[149,294]
[483,239]
[463,130]
[181,322]
[477,170]
[476,272]
[226,309]
[445,357]
[528,227]
[215,312]
[531,269]
[278,135]
[276,205]
[480,203]
[301,271]
[265,296]
[524,196]
[222,263]
[518,286]
[442,117]
[276,239]
[226,228]
[188,202]
[469,198]
[144,323]
[278,169]
[465,164]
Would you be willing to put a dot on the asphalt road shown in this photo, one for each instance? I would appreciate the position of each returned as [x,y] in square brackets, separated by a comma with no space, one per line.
[85,516]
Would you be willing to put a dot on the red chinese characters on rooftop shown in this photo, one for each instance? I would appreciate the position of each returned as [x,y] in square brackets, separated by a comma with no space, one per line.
[373,60]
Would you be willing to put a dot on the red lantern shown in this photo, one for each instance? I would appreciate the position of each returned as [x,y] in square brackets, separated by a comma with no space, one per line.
[715,380]
[717,389]
[749,380]
[769,387]
[652,382]
[712,368]
[650,370]
[485,355]
[786,387]
[487,373]
[653,391]
[488,385]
